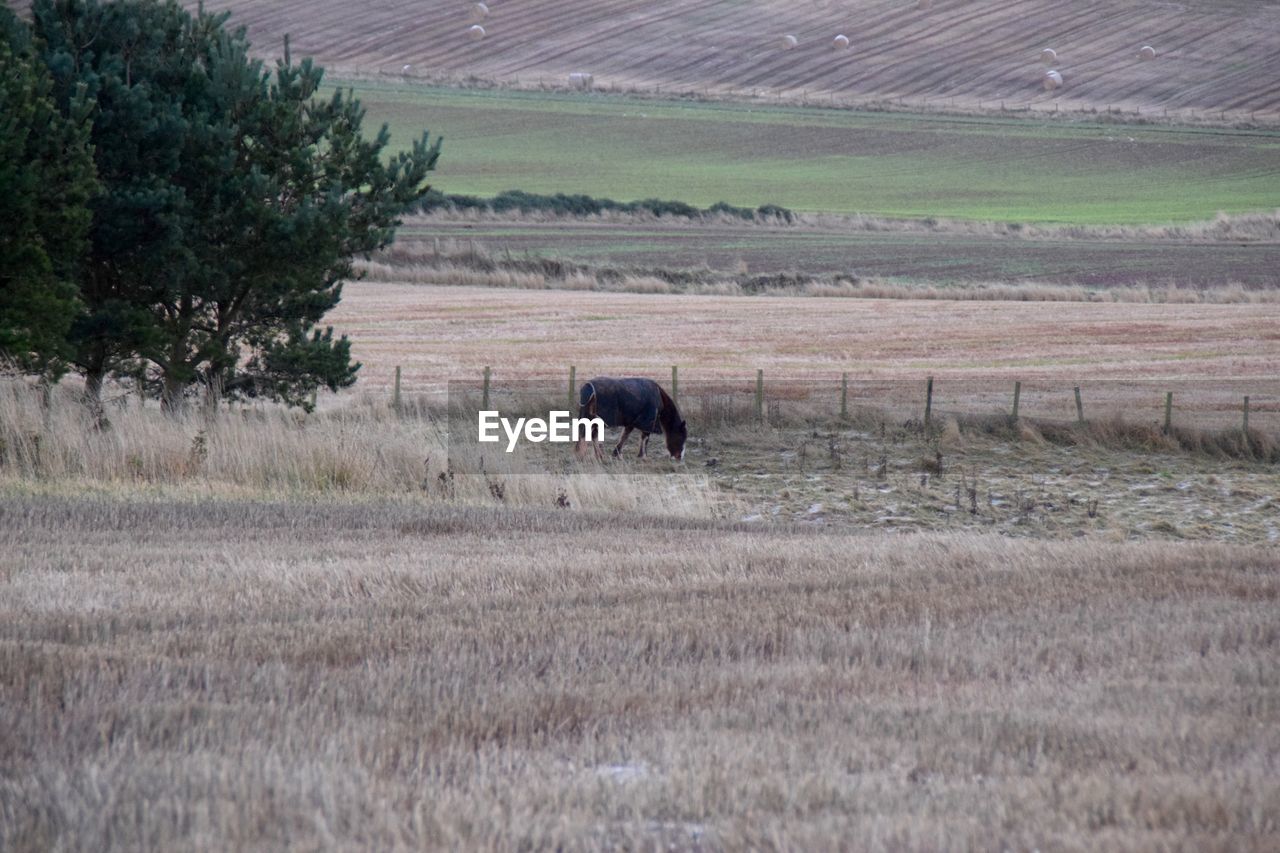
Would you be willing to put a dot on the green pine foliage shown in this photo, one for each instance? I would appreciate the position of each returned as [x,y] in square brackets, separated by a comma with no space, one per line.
[233,202]
[46,177]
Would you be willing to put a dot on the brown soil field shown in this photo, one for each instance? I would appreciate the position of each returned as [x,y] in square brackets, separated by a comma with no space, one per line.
[1210,55]
[817,249]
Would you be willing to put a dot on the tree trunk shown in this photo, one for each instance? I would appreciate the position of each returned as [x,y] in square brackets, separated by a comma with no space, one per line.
[93,398]
[93,389]
[172,398]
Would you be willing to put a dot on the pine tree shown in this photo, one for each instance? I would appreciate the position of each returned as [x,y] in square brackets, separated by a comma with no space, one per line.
[234,200]
[46,177]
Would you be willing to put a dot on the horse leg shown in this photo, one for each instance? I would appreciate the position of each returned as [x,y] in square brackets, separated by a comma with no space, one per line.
[644,442]
[583,442]
[597,450]
[626,432]
[588,410]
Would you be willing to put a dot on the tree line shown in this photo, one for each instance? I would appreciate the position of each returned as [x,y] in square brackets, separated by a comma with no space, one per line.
[175,211]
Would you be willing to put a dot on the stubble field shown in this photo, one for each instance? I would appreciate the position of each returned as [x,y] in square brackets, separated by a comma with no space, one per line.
[445,333]
[270,631]
[1120,478]
[260,629]
[187,675]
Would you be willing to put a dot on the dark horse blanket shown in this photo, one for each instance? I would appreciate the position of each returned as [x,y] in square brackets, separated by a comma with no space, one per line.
[634,403]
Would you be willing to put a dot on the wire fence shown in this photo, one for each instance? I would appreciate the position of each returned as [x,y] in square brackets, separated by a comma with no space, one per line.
[1221,404]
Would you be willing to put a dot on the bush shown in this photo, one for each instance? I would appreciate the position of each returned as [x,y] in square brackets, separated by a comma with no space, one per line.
[774,211]
[562,204]
[727,209]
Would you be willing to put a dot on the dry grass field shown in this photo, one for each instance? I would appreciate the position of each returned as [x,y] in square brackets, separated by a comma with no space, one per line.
[354,451]
[1210,55]
[265,630]
[447,333]
[250,628]
[1116,478]
[221,674]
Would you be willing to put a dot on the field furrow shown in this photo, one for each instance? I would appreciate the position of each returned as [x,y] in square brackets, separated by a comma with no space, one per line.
[1209,56]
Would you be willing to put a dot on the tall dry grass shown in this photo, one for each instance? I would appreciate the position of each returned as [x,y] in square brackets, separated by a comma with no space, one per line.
[388,675]
[358,448]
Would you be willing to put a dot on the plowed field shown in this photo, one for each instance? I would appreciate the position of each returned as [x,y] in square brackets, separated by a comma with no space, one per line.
[1210,55]
[935,258]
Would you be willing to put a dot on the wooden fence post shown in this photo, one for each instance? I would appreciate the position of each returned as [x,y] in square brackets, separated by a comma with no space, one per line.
[1246,414]
[760,395]
[928,402]
[844,396]
[1079,406]
[484,397]
[1017,396]
[395,395]
[573,386]
[675,384]
[1168,411]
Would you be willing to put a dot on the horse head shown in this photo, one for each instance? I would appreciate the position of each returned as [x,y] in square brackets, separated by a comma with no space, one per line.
[676,438]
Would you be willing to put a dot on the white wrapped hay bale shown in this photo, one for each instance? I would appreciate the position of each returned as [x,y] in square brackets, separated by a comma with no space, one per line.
[581,80]
[476,32]
[479,12]
[787,42]
[1146,53]
[840,42]
[1052,80]
[1048,56]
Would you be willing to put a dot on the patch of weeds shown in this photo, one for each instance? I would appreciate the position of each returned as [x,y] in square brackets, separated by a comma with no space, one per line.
[499,490]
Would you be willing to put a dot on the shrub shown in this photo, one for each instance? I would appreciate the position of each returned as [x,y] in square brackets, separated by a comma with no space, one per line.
[565,204]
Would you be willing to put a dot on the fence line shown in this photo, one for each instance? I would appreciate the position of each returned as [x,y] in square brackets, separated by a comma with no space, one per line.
[760,408]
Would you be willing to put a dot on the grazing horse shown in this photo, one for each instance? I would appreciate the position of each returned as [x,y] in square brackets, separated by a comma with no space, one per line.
[632,404]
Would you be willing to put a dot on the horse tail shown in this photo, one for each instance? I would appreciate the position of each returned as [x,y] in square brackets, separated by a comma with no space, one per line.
[587,408]
[587,400]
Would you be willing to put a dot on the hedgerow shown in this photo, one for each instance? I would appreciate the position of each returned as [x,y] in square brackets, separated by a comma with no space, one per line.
[566,204]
